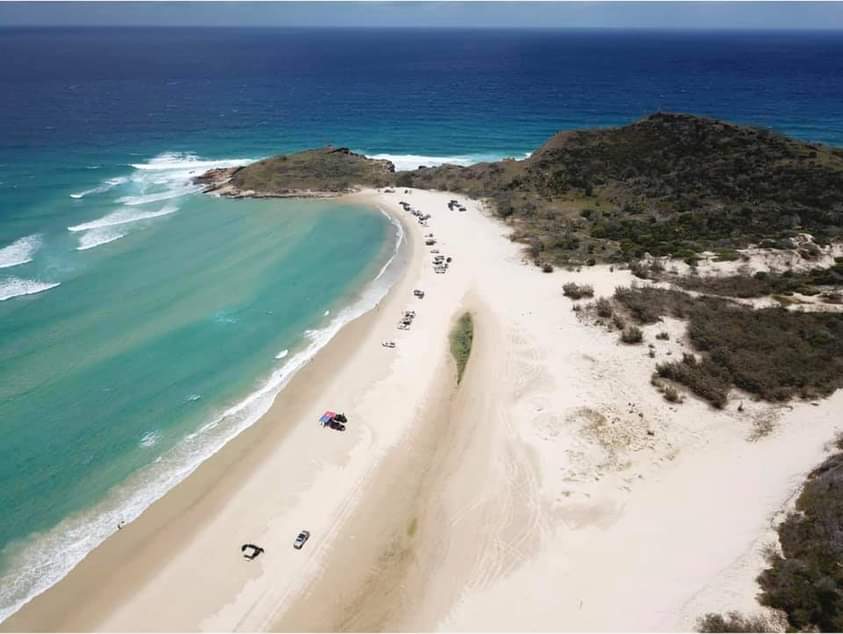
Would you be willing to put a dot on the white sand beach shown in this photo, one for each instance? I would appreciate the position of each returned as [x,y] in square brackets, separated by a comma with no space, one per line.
[554,489]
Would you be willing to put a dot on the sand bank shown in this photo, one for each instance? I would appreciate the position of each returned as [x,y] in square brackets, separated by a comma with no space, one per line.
[554,490]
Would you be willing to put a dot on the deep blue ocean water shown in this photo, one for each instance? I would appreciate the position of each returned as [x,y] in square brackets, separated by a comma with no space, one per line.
[138,316]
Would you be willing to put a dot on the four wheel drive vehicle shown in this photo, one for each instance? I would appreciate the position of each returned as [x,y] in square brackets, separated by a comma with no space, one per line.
[333,420]
[301,538]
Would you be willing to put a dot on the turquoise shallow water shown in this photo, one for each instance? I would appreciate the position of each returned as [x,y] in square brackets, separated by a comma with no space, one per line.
[176,318]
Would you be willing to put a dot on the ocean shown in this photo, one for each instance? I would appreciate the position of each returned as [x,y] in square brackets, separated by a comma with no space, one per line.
[144,324]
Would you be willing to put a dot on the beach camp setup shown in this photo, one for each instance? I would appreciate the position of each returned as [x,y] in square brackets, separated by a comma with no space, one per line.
[333,420]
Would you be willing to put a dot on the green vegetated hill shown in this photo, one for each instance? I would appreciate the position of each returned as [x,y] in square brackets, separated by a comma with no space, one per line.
[330,170]
[670,184]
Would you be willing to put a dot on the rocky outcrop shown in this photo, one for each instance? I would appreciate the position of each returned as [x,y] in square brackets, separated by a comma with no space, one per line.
[320,173]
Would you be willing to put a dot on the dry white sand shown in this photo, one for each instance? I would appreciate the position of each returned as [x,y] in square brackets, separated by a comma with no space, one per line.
[553,490]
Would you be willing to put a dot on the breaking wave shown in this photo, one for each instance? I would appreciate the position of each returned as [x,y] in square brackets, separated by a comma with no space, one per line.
[123,217]
[150,439]
[111,183]
[20,251]
[98,237]
[164,177]
[15,287]
[414,161]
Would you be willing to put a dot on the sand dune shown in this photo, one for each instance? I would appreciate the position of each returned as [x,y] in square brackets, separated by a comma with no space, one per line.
[553,490]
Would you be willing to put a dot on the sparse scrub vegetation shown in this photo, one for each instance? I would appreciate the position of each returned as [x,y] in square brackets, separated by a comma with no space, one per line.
[577,291]
[763,283]
[736,622]
[648,304]
[671,394]
[632,335]
[603,307]
[805,581]
[705,378]
[773,353]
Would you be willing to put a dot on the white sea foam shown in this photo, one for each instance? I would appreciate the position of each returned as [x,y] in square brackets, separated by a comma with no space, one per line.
[193,397]
[150,439]
[170,175]
[111,183]
[34,566]
[170,161]
[282,354]
[20,251]
[414,161]
[15,287]
[164,177]
[123,217]
[176,192]
[98,237]
[399,240]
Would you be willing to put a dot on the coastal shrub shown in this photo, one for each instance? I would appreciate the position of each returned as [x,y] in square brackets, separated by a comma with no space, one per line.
[736,622]
[671,394]
[632,334]
[640,270]
[603,307]
[806,579]
[462,337]
[763,283]
[663,336]
[773,353]
[705,378]
[668,184]
[577,291]
[648,304]
[547,267]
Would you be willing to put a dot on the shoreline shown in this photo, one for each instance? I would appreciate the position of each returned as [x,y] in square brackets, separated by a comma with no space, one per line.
[208,479]
[553,476]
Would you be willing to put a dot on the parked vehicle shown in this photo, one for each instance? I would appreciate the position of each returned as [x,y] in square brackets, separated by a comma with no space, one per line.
[301,539]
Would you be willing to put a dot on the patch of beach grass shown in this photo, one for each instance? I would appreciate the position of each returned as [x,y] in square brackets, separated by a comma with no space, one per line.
[462,336]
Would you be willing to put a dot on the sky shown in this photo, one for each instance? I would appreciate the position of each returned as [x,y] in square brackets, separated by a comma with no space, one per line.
[407,13]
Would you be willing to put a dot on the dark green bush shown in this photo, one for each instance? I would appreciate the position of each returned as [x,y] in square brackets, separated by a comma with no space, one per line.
[577,291]
[806,580]
[632,334]
[735,622]
[772,352]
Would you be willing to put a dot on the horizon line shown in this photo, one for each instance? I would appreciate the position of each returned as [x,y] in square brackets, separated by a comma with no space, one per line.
[659,29]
